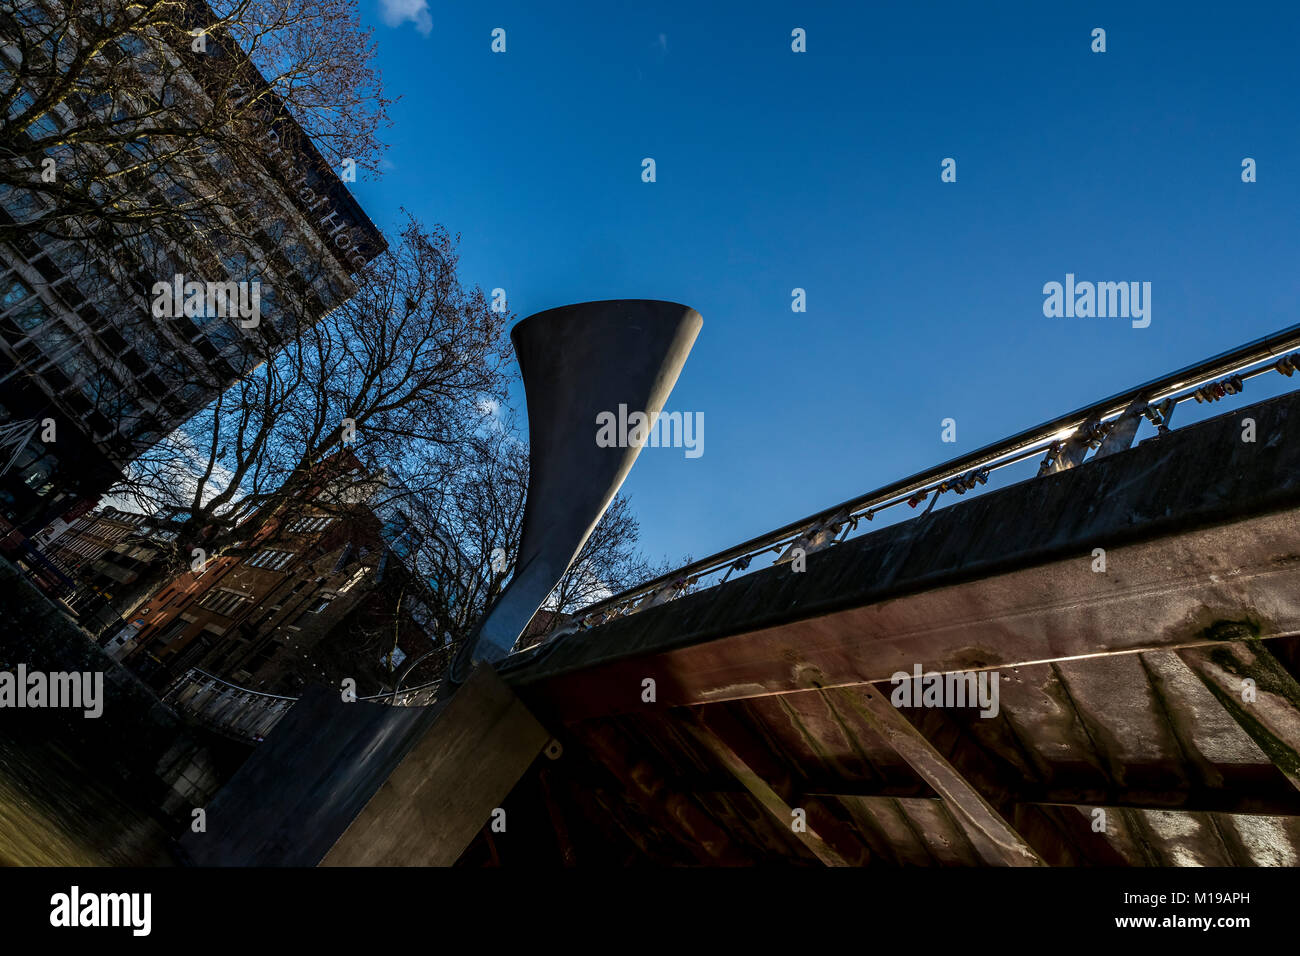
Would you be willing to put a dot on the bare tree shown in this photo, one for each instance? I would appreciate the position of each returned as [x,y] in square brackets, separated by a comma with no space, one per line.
[472,529]
[376,403]
[121,117]
[608,563]
[143,139]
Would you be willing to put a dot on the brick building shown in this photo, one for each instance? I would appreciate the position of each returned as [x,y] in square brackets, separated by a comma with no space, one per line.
[103,564]
[327,596]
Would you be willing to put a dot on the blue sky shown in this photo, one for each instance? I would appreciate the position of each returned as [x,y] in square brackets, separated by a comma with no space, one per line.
[821,170]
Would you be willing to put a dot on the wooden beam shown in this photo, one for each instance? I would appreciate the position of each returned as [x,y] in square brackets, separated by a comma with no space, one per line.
[1272,717]
[1181,802]
[715,646]
[994,838]
[765,795]
[642,781]
[443,792]
[750,742]
[562,838]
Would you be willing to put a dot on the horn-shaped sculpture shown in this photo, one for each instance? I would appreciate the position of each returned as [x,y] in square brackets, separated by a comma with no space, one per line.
[577,361]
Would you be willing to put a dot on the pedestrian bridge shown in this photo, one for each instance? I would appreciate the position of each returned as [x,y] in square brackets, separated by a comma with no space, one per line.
[1147,713]
[1138,612]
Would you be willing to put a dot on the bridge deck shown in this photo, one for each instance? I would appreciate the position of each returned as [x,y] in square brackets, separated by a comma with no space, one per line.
[1123,735]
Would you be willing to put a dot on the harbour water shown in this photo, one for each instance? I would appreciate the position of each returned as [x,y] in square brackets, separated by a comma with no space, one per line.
[54,813]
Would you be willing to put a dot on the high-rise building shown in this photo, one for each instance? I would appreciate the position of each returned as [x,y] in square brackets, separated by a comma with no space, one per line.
[93,371]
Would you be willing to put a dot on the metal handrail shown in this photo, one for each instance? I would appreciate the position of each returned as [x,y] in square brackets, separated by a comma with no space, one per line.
[188,677]
[221,680]
[403,693]
[1155,399]
[1173,389]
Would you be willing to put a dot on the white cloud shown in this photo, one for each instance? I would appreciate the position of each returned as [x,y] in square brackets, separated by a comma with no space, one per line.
[396,12]
[170,477]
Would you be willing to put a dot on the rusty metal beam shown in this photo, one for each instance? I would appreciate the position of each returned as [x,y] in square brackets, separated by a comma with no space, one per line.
[994,838]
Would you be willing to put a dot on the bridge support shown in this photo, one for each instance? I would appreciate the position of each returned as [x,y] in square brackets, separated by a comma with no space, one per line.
[368,784]
[993,838]
[445,790]
[767,797]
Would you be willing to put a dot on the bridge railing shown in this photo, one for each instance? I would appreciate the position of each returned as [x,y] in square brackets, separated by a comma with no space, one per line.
[1106,426]
[1102,428]
[410,697]
[249,715]
[227,708]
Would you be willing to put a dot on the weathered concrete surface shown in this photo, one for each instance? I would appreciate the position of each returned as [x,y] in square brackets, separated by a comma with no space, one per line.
[306,782]
[362,784]
[446,789]
[1197,527]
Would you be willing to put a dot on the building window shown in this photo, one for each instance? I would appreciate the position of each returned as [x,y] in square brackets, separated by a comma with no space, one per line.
[23,205]
[172,631]
[222,601]
[320,604]
[271,560]
[302,525]
[15,291]
[26,311]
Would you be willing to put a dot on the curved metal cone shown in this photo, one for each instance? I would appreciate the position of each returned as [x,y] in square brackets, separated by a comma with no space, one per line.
[577,361]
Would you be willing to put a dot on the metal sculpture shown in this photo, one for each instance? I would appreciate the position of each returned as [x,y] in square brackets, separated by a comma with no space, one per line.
[577,362]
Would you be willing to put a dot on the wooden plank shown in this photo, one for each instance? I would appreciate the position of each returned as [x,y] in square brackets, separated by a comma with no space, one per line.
[1197,802]
[765,795]
[563,840]
[1272,718]
[753,740]
[444,791]
[994,838]
[643,784]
